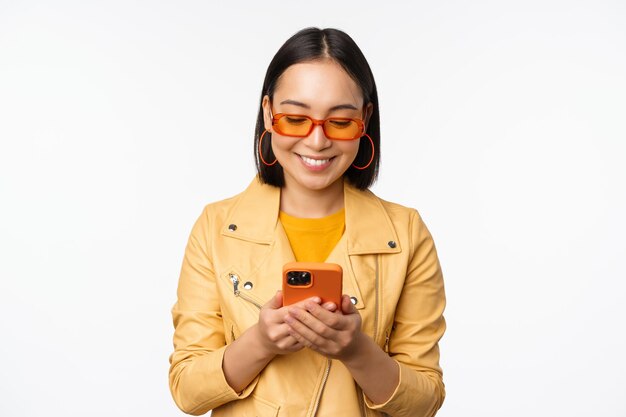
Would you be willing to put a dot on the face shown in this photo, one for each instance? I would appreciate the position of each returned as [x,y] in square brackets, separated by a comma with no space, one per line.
[319,89]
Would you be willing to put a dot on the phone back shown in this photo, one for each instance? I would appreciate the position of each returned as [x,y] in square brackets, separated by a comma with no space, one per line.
[323,280]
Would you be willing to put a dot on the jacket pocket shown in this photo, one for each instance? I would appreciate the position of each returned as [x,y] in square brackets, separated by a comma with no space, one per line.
[231,332]
[252,406]
[387,339]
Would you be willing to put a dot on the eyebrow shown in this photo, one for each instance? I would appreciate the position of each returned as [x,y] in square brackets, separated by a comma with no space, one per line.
[306,106]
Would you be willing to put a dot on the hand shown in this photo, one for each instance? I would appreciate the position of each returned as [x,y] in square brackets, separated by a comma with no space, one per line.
[273,332]
[333,334]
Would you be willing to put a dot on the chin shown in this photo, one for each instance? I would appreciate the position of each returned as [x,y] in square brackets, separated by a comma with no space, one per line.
[317,184]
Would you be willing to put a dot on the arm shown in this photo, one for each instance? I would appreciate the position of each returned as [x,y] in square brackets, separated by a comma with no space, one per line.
[204,372]
[339,336]
[375,372]
[408,381]
[197,381]
[418,327]
[246,357]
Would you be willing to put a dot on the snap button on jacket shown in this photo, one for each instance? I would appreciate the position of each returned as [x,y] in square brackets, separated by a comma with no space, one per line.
[398,289]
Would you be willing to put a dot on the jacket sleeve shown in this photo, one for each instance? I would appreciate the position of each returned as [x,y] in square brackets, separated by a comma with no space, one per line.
[418,326]
[196,378]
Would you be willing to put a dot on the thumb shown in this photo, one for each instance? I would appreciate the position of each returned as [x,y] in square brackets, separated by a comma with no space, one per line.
[276,301]
[346,305]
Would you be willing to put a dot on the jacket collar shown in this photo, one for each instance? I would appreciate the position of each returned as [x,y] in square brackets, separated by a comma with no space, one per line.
[369,229]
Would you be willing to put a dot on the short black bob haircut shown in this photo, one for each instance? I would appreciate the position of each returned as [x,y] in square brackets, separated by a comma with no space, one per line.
[311,44]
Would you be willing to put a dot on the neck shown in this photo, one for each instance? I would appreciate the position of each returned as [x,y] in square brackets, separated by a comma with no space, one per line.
[303,202]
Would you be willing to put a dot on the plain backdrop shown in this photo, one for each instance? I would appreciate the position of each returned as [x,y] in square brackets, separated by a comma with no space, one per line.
[503,123]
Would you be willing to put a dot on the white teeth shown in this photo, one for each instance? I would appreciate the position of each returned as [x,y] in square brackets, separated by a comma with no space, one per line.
[315,162]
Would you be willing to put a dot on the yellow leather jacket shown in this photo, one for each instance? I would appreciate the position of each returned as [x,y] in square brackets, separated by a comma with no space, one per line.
[233,265]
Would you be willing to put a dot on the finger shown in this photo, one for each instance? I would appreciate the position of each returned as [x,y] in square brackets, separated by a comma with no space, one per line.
[330,306]
[313,323]
[290,344]
[303,303]
[346,305]
[300,304]
[328,318]
[295,344]
[304,335]
[286,341]
[275,332]
[285,331]
[284,310]
[276,301]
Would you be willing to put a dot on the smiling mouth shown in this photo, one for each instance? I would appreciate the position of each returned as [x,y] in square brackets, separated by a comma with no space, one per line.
[315,162]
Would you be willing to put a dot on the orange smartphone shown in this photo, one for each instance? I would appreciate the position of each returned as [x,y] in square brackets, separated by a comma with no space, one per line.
[303,280]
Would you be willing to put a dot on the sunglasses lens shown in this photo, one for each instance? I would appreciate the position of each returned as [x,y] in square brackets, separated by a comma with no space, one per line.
[342,129]
[293,125]
[337,128]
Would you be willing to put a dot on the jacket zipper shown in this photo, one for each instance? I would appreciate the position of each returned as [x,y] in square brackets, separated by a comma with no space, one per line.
[319,394]
[235,280]
[377,304]
[376,314]
[362,408]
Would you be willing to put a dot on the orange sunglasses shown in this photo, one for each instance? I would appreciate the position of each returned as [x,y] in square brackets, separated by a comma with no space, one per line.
[301,125]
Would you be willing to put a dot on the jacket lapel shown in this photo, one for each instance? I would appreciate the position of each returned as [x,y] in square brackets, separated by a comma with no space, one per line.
[255,219]
[255,214]
[368,226]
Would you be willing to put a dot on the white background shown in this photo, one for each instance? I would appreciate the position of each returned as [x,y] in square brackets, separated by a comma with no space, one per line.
[503,123]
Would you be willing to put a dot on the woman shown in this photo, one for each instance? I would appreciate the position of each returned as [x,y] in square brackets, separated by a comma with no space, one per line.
[238,350]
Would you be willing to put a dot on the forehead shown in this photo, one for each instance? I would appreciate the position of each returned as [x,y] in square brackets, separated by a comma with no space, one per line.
[320,84]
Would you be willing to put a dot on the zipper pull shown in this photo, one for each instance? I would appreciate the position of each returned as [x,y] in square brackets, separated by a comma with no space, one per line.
[235,280]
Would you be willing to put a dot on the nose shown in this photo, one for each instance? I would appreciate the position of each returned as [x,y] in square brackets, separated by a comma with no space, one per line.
[317,140]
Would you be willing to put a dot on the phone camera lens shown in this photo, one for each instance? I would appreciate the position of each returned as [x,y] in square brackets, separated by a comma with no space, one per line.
[300,278]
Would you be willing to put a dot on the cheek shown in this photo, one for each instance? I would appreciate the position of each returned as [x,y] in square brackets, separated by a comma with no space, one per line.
[281,144]
[350,149]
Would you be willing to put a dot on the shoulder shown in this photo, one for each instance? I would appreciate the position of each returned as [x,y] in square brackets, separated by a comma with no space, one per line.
[215,214]
[220,209]
[407,222]
[252,212]
[398,212]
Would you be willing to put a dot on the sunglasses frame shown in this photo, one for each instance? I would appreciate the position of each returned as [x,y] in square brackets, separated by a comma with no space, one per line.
[316,122]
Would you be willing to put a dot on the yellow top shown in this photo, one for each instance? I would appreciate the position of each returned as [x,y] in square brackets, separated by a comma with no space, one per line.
[312,240]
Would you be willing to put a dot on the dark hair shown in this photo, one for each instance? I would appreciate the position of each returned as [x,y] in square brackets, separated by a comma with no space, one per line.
[312,44]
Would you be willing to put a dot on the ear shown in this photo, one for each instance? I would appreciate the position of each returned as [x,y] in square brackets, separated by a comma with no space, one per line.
[369,109]
[266,112]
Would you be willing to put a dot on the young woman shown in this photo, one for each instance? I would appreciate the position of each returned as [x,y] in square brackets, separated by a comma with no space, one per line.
[238,350]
